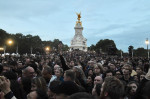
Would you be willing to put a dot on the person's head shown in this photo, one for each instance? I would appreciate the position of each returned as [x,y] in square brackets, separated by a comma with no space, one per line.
[37,94]
[81,95]
[112,67]
[90,72]
[59,72]
[28,72]
[71,64]
[118,74]
[142,76]
[138,70]
[79,72]
[6,67]
[112,88]
[38,83]
[53,88]
[109,73]
[133,85]
[20,65]
[27,61]
[98,79]
[98,69]
[136,78]
[105,68]
[47,73]
[127,67]
[91,64]
[66,89]
[69,75]
[55,67]
[89,80]
[126,74]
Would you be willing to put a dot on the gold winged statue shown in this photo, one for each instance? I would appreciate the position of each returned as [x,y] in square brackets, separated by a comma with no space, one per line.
[79,16]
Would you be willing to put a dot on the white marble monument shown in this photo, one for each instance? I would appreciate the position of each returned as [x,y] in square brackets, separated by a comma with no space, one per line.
[78,42]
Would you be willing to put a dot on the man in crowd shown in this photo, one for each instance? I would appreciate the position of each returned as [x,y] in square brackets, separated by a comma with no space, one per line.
[112,88]
[47,75]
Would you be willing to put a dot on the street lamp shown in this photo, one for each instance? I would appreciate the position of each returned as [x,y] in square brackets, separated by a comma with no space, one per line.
[47,49]
[147,42]
[10,42]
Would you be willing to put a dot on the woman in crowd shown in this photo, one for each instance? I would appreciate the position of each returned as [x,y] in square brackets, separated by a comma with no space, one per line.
[38,83]
[59,74]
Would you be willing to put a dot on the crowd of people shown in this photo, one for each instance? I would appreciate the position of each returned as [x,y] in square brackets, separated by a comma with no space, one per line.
[74,75]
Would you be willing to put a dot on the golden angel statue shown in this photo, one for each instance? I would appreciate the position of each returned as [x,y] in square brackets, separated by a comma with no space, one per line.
[79,16]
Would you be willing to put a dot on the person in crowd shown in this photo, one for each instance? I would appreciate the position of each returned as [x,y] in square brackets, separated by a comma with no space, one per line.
[6,92]
[98,69]
[132,87]
[136,78]
[65,89]
[142,76]
[15,86]
[28,72]
[37,94]
[80,76]
[146,91]
[6,67]
[38,83]
[71,64]
[105,68]
[139,93]
[112,88]
[89,84]
[81,95]
[52,90]
[109,73]
[139,70]
[26,86]
[126,76]
[112,67]
[98,79]
[55,67]
[96,90]
[59,74]
[118,74]
[47,75]
[70,75]
[90,65]
[90,72]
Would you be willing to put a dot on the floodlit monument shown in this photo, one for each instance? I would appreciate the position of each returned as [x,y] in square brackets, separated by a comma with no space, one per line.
[78,42]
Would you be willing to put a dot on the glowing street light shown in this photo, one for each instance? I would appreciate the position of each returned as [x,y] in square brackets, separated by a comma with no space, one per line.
[47,48]
[147,43]
[1,48]
[10,42]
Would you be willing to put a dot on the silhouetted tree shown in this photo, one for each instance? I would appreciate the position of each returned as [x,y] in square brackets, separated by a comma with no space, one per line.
[130,49]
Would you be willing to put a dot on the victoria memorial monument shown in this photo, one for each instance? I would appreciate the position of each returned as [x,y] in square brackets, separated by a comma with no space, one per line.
[78,42]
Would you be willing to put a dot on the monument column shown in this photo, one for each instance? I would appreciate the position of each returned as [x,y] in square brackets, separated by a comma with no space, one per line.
[78,42]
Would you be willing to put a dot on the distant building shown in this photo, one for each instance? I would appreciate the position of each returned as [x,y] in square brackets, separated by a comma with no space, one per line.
[78,42]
